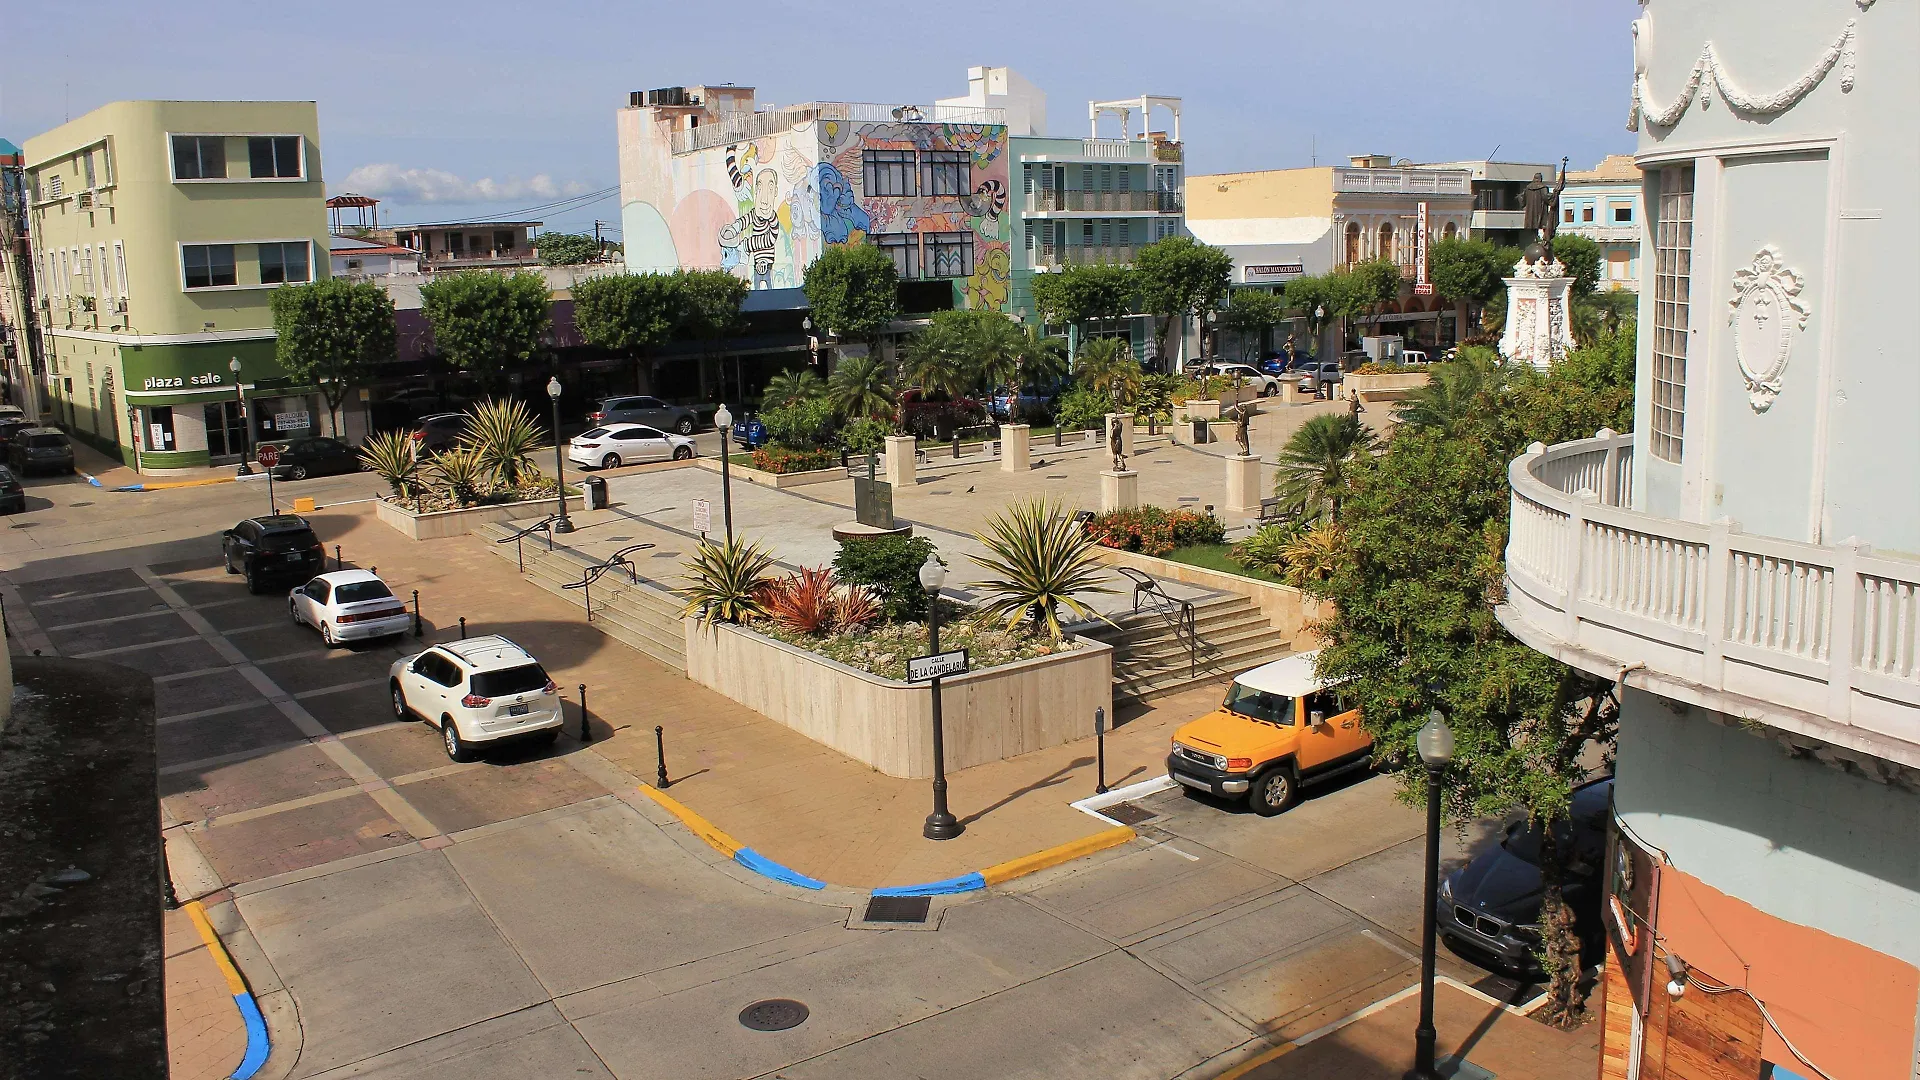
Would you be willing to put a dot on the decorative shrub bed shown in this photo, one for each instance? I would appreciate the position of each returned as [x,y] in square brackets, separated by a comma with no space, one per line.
[785,459]
[433,501]
[1153,530]
[885,648]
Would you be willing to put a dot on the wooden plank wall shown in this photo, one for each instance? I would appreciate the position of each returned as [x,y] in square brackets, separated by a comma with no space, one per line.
[1617,1013]
[1701,1036]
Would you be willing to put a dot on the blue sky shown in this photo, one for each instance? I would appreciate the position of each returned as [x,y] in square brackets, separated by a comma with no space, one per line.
[487,107]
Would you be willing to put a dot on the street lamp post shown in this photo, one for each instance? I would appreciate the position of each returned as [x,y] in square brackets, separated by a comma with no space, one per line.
[1435,743]
[246,430]
[559,458]
[723,420]
[941,825]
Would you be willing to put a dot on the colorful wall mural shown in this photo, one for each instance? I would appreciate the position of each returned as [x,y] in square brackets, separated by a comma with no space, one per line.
[764,208]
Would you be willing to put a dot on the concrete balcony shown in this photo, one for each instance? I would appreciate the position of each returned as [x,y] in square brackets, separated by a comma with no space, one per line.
[1104,203]
[1818,641]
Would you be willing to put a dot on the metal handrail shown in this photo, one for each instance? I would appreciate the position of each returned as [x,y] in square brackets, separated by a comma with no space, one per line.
[593,573]
[543,525]
[1177,613]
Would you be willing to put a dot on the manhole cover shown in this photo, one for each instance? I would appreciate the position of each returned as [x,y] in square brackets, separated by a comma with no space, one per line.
[618,539]
[901,909]
[1189,498]
[665,555]
[773,1014]
[1128,814]
[1057,476]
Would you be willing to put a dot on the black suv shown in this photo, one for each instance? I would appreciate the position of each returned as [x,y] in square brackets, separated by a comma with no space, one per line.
[40,449]
[278,547]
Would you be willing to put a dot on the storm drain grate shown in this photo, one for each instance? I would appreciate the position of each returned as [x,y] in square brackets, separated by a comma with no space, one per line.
[902,909]
[666,555]
[1056,476]
[1128,814]
[1189,498]
[773,1014]
[618,539]
[1458,1068]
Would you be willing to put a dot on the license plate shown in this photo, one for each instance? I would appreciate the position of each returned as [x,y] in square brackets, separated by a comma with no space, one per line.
[517,710]
[294,556]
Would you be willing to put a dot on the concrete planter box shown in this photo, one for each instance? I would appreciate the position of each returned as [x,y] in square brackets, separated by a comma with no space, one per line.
[777,481]
[988,715]
[1197,410]
[442,523]
[1384,387]
[1287,608]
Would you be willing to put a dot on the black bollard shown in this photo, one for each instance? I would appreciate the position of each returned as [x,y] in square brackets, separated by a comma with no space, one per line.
[463,628]
[660,756]
[586,730]
[416,613]
[956,444]
[337,564]
[1100,742]
[1056,433]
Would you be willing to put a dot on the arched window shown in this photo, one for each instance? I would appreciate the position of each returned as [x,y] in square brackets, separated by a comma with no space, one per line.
[1386,241]
[1353,241]
[1452,232]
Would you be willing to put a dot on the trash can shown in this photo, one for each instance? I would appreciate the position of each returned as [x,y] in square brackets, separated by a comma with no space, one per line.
[1199,431]
[596,493]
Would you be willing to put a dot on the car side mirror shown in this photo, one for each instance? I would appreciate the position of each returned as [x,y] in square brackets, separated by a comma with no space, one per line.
[1318,718]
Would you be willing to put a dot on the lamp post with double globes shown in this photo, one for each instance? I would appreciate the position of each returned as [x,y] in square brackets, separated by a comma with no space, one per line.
[246,430]
[941,825]
[723,420]
[1435,743]
[559,458]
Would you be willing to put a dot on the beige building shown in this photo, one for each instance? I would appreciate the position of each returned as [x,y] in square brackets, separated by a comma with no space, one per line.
[160,230]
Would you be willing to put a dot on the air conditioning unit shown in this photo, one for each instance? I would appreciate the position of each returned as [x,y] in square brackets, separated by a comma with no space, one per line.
[668,95]
[86,200]
[120,305]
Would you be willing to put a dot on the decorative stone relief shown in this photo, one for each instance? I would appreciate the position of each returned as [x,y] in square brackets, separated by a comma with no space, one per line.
[1766,299]
[1710,69]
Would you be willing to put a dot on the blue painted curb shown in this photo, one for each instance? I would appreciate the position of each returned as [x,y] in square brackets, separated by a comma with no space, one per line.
[258,1045]
[766,867]
[963,883]
[92,479]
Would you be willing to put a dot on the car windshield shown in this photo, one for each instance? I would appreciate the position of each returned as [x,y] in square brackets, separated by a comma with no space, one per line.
[508,681]
[1273,708]
[353,592]
[46,440]
[593,433]
[288,540]
[1590,805]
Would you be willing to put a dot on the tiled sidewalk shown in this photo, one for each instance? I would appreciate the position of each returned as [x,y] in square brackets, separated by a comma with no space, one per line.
[205,1036]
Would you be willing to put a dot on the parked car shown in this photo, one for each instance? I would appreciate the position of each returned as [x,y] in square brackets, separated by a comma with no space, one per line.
[317,456]
[1413,356]
[1321,377]
[477,691]
[651,411]
[1022,406]
[1246,373]
[348,605]
[437,432]
[1491,906]
[615,445]
[1280,365]
[12,412]
[272,548]
[1280,728]
[40,449]
[11,426]
[13,497]
[749,433]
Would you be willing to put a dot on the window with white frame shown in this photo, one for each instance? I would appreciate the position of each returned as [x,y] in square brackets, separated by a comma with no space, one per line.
[274,157]
[284,263]
[56,185]
[207,266]
[950,254]
[85,273]
[889,173]
[199,157]
[120,265]
[1672,265]
[106,273]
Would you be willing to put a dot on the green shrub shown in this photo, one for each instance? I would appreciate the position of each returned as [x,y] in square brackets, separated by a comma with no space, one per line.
[1081,409]
[787,459]
[1266,548]
[1191,527]
[865,435]
[890,566]
[800,425]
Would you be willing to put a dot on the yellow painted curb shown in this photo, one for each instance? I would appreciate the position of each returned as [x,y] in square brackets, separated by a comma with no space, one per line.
[702,828]
[1054,856]
[198,913]
[1246,1067]
[169,485]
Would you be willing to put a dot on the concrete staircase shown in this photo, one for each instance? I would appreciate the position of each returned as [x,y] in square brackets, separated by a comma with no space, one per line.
[645,616]
[1152,655]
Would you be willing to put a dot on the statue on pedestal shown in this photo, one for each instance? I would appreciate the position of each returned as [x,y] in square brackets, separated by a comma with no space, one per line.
[1541,202]
[1116,444]
[1242,418]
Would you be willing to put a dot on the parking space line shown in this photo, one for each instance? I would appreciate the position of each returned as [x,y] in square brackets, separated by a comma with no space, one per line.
[109,621]
[450,769]
[283,657]
[100,653]
[90,596]
[239,816]
[340,688]
[218,760]
[254,627]
[218,710]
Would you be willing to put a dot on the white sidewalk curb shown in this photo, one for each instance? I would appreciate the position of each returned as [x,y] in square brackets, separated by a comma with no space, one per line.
[1094,804]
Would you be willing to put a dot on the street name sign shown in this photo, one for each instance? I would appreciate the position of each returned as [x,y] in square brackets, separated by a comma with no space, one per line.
[937,666]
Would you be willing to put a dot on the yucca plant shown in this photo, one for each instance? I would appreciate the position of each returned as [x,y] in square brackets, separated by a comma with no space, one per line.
[803,603]
[1044,559]
[504,437]
[729,581]
[463,474]
[389,455]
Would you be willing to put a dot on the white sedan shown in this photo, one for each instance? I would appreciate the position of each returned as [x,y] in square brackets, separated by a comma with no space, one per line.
[615,445]
[1267,383]
[348,605]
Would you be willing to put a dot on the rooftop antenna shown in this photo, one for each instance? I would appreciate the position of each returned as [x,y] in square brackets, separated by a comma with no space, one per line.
[1495,150]
[1313,149]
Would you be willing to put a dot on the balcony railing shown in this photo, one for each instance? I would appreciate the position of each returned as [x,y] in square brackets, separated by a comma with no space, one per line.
[1105,202]
[740,126]
[1815,639]
[1053,258]
[1404,181]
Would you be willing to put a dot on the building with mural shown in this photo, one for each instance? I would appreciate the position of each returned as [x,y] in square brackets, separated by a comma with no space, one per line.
[1603,205]
[1745,566]
[161,229]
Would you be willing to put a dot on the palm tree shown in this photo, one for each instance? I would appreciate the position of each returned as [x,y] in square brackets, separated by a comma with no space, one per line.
[861,386]
[1043,558]
[729,581]
[1316,465]
[1107,366]
[789,387]
[1039,358]
[1455,389]
[937,359]
[993,344]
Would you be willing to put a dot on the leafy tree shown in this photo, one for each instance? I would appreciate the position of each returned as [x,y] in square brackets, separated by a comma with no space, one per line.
[791,386]
[861,386]
[628,313]
[962,349]
[1601,314]
[1310,295]
[1369,284]
[1453,389]
[1591,388]
[854,290]
[1180,276]
[332,333]
[1469,270]
[1081,409]
[566,249]
[709,311]
[1107,367]
[1086,295]
[800,425]
[1251,313]
[1581,257]
[1318,463]
[1040,359]
[485,323]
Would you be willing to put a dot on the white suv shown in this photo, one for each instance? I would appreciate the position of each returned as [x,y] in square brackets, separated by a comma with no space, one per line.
[477,691]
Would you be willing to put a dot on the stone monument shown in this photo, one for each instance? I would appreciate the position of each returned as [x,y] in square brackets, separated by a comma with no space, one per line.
[1537,331]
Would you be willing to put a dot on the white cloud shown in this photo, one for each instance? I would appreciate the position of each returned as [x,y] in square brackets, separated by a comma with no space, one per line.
[439,186]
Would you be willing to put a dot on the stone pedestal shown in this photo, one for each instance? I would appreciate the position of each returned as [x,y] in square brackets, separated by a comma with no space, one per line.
[1016,448]
[1244,490]
[1201,410]
[1126,431]
[1119,490]
[1537,331]
[1290,390]
[899,460]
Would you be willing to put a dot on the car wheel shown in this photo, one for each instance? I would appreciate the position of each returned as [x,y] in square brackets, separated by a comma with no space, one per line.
[293,611]
[682,453]
[685,426]
[611,461]
[253,582]
[400,710]
[298,472]
[1273,791]
[327,638]
[226,560]
[457,748]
